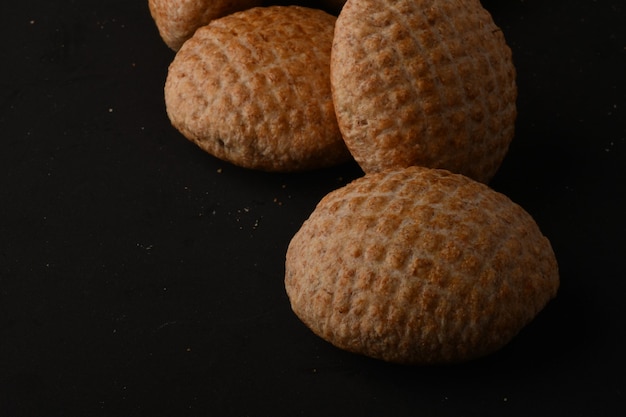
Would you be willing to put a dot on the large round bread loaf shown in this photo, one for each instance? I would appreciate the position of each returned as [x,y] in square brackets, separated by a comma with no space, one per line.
[253,88]
[419,266]
[423,82]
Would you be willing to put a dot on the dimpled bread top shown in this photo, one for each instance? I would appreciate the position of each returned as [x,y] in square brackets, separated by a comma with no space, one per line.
[423,82]
[419,266]
[177,20]
[253,88]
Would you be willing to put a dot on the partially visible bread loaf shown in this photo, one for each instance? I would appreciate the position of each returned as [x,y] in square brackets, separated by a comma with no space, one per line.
[253,88]
[419,266]
[177,20]
[423,82]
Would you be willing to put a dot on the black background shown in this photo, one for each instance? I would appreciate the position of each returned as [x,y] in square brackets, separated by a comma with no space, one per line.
[142,277]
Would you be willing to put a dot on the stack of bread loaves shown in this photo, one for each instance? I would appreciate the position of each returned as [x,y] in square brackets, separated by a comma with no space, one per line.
[418,261]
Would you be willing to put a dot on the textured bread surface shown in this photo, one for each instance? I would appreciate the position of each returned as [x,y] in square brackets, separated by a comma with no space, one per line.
[423,82]
[419,266]
[253,88]
[177,20]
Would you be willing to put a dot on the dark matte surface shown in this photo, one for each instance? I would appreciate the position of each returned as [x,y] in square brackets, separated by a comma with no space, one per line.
[142,277]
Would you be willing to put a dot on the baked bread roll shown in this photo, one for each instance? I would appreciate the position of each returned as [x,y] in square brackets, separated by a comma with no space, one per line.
[423,82]
[177,20]
[419,266]
[253,88]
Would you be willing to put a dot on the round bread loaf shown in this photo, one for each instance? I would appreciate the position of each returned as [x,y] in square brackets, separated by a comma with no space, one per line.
[253,88]
[419,266]
[177,20]
[423,82]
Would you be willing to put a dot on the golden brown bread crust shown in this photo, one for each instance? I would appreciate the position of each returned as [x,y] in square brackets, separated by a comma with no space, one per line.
[419,266]
[177,20]
[253,88]
[423,82]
